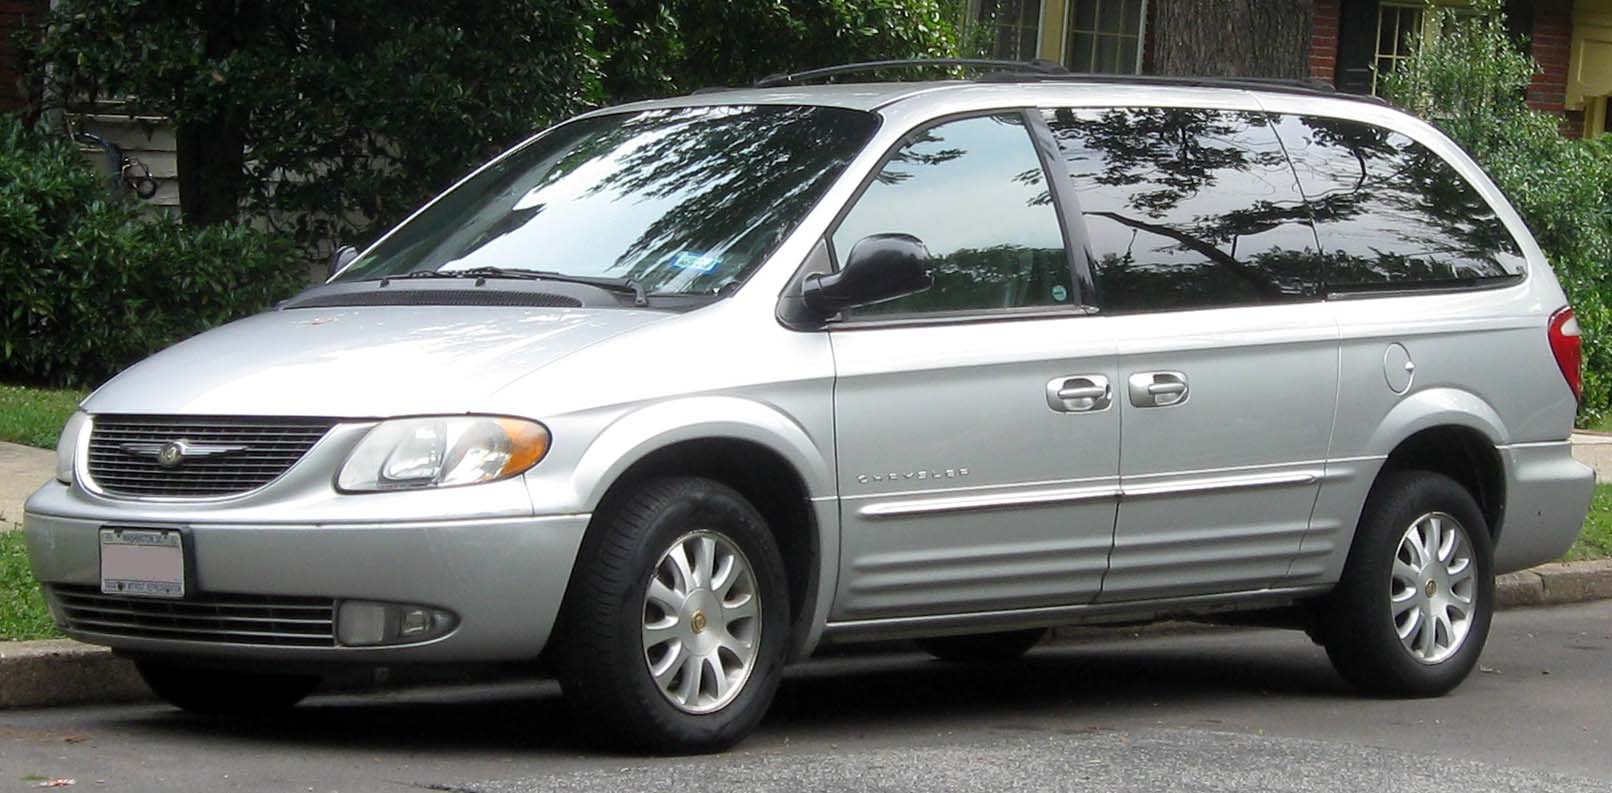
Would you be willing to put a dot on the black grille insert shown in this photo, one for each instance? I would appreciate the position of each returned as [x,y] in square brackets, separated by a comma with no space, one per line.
[272,620]
[228,454]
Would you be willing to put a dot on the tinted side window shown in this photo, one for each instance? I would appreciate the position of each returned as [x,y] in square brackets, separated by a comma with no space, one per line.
[1390,213]
[1188,208]
[974,191]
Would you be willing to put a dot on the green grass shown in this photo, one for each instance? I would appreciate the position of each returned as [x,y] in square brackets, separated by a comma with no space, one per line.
[22,606]
[34,416]
[1596,540]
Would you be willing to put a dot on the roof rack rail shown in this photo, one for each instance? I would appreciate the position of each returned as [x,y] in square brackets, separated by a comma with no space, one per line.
[1036,67]
[1271,84]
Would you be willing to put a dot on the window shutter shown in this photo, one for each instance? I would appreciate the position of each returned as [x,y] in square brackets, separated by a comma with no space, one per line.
[1357,45]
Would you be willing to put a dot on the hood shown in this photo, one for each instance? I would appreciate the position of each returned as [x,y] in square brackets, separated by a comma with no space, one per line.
[358,362]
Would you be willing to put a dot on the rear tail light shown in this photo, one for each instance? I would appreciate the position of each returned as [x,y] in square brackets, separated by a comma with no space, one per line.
[1568,348]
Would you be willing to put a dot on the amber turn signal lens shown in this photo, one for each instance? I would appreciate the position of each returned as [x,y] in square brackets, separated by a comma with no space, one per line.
[529,442]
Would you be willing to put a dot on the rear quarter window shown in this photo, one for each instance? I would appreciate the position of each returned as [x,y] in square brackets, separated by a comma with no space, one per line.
[1391,214]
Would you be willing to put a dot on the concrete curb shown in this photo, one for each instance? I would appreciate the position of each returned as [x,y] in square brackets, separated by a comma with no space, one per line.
[1556,583]
[64,672]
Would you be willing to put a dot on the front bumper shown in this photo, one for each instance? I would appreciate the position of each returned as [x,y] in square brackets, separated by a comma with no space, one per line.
[503,577]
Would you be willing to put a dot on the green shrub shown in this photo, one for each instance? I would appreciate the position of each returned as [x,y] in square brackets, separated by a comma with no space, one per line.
[89,284]
[1471,82]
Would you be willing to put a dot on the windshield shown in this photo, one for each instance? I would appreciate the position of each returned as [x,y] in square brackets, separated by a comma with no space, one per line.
[681,201]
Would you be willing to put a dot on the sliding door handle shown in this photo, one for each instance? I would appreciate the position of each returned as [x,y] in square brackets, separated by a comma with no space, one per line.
[1157,389]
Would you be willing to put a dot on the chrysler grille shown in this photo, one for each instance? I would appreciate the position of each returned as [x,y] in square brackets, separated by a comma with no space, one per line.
[226,455]
[271,620]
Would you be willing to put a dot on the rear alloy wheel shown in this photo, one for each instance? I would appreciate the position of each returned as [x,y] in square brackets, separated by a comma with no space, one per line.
[676,621]
[1411,614]
[221,692]
[1433,588]
[982,648]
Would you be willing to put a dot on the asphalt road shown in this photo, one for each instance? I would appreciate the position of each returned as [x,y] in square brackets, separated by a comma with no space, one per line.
[1227,710]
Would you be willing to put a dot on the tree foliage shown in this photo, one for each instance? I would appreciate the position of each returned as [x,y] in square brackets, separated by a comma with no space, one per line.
[1471,82]
[335,119]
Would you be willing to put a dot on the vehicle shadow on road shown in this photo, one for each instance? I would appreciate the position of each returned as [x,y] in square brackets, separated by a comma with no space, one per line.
[1095,681]
[858,693]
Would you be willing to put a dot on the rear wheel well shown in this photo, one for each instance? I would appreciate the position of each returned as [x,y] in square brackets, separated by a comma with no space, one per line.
[767,481]
[1463,454]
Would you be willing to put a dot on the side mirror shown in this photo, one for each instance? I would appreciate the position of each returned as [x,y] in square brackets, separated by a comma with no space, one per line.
[341,257]
[881,267]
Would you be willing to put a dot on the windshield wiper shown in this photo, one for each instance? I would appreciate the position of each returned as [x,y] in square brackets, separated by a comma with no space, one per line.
[620,285]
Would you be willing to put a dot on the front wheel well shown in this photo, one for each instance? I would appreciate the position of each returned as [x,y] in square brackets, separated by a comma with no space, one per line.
[767,480]
[1463,454]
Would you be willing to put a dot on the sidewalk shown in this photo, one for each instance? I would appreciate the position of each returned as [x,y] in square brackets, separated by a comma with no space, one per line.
[22,470]
[1595,450]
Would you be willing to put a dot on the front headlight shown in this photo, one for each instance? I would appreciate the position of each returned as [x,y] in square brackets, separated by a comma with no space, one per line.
[407,454]
[67,446]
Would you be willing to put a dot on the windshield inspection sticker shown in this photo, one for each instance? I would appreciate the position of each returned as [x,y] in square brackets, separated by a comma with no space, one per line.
[698,262]
[1059,293]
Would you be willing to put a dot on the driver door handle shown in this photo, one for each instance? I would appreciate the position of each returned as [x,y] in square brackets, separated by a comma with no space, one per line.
[1079,393]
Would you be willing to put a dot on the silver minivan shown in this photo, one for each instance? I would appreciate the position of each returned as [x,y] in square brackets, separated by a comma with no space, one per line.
[675,392]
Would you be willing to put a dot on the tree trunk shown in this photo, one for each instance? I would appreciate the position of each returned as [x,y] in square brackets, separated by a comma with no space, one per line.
[1233,38]
[210,146]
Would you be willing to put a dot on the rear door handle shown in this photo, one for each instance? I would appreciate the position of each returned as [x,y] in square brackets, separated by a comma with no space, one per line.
[1157,389]
[1079,393]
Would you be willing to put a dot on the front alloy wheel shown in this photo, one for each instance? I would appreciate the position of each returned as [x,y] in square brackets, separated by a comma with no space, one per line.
[676,622]
[702,622]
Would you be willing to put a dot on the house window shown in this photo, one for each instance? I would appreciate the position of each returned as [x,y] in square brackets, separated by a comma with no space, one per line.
[1399,30]
[1015,27]
[1105,36]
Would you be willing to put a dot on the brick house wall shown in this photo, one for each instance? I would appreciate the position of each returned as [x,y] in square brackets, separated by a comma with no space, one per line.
[13,15]
[1552,44]
[1324,41]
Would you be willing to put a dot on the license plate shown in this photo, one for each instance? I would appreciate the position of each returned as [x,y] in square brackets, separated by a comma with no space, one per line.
[142,563]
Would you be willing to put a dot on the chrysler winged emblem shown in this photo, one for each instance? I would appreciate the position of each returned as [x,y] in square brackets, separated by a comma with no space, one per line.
[172,454]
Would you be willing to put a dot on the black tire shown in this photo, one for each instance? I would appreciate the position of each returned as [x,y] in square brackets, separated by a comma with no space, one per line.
[220,692]
[982,648]
[1356,621]
[601,652]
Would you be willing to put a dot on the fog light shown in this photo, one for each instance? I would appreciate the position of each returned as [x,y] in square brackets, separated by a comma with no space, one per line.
[362,623]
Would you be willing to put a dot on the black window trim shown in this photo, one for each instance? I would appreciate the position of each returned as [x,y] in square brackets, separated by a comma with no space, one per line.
[1079,307]
[1440,287]
[1070,218]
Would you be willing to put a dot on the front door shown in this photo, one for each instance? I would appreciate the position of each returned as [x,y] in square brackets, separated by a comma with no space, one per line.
[1206,264]
[975,423]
